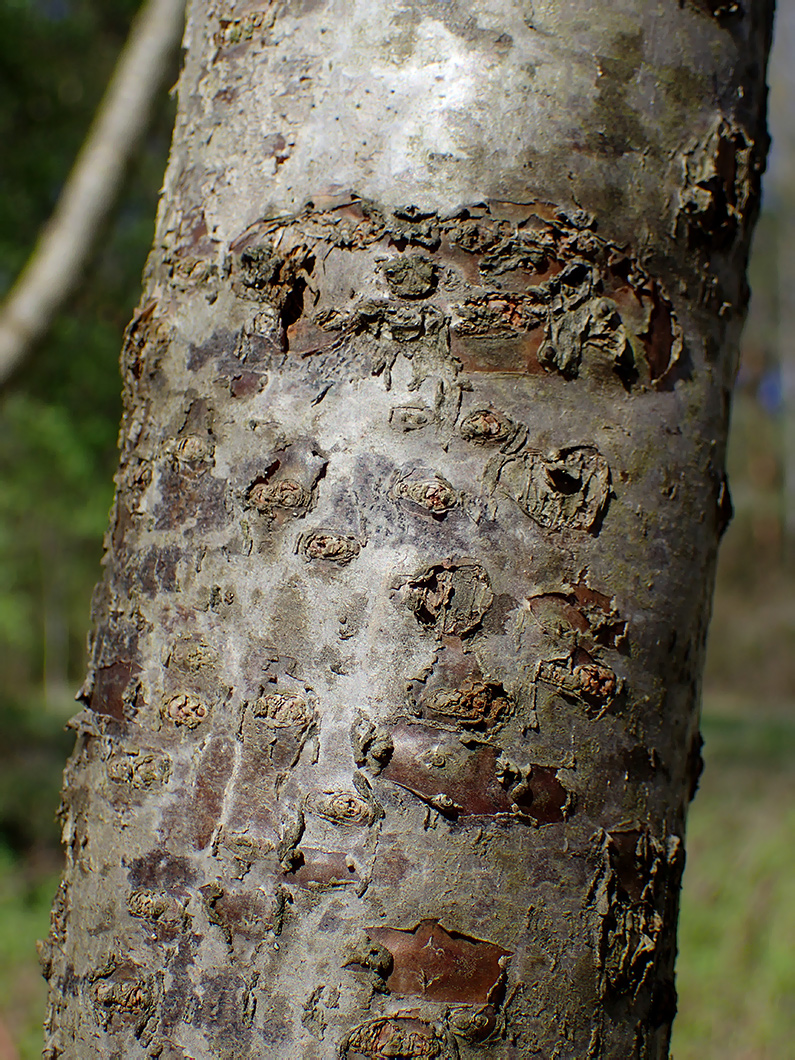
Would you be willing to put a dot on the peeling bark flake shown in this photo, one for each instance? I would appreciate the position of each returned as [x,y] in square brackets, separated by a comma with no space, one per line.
[563,489]
[393,1036]
[452,596]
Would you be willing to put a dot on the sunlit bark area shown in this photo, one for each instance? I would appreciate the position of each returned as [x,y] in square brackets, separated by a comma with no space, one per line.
[391,719]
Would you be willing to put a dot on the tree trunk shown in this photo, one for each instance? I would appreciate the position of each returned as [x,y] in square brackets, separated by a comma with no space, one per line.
[392,715]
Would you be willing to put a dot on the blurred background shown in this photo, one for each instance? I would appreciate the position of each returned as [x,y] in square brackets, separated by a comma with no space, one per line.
[58,422]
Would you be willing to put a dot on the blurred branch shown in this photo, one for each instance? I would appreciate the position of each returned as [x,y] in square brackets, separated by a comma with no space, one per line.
[93,184]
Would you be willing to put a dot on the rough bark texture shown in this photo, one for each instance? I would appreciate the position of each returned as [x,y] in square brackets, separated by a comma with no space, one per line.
[391,719]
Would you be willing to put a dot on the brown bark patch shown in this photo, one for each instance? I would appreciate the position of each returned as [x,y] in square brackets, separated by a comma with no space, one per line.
[217,347]
[557,616]
[246,912]
[246,384]
[253,797]
[190,495]
[153,570]
[582,614]
[438,965]
[453,779]
[509,354]
[274,731]
[160,870]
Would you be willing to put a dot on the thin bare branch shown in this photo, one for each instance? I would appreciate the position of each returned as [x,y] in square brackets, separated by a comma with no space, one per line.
[66,240]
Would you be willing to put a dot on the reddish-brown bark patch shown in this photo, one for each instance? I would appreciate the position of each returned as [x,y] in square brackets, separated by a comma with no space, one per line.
[110,684]
[584,611]
[438,965]
[512,354]
[212,777]
[546,801]
[471,781]
[247,912]
[160,869]
[456,780]
[246,383]
[323,869]
[253,796]
[153,570]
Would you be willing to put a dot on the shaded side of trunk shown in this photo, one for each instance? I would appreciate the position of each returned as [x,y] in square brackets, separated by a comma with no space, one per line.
[391,720]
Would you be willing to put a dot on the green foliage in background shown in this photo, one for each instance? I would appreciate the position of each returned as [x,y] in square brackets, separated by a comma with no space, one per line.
[59,416]
[59,420]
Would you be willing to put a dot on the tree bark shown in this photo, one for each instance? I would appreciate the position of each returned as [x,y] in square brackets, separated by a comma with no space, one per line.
[391,719]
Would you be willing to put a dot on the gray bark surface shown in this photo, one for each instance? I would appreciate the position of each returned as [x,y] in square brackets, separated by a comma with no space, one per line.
[391,719]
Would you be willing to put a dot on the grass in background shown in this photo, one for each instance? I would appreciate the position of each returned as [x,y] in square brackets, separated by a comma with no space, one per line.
[24,917]
[736,967]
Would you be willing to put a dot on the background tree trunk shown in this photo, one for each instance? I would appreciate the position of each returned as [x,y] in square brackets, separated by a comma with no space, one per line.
[391,719]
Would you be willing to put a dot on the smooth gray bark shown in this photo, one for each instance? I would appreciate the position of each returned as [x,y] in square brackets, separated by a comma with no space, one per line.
[392,716]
